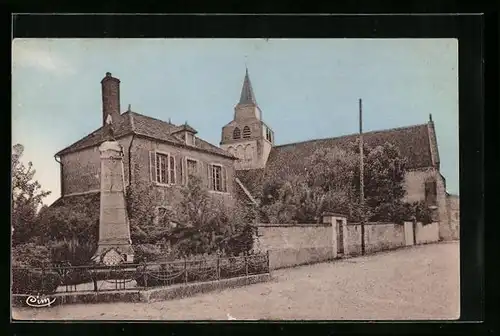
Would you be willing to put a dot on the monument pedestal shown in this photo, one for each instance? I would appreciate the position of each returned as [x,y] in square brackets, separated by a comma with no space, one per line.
[114,246]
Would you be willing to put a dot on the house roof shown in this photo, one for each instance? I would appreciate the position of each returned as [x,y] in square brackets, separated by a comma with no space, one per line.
[135,123]
[413,143]
[90,200]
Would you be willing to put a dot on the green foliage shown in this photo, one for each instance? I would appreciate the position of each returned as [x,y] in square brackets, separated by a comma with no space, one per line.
[30,255]
[27,197]
[147,253]
[73,222]
[72,252]
[328,180]
[203,224]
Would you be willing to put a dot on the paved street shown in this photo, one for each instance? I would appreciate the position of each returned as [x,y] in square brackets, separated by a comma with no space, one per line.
[421,282]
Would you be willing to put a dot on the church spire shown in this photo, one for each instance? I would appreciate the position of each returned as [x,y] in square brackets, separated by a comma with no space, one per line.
[247,95]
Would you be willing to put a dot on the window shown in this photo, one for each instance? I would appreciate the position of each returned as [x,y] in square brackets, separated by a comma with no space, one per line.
[190,139]
[246,132]
[268,135]
[172,170]
[217,178]
[430,193]
[162,168]
[192,168]
[236,133]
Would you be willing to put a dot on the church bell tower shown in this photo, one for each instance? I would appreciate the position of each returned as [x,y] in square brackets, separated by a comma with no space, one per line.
[247,137]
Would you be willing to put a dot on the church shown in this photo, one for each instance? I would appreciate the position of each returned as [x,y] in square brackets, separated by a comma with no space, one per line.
[164,156]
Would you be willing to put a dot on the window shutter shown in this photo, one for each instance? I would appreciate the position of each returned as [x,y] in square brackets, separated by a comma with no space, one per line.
[172,178]
[182,171]
[210,176]
[152,166]
[224,179]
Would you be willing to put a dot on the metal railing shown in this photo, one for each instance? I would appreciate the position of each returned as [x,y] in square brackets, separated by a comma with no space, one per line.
[97,278]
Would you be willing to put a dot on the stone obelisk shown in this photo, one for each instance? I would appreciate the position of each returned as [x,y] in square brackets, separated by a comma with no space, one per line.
[114,244]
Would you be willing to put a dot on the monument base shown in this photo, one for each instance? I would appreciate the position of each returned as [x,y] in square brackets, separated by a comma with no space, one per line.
[114,254]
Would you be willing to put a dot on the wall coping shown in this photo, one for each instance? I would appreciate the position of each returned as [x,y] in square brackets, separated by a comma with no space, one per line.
[292,225]
[333,214]
[373,223]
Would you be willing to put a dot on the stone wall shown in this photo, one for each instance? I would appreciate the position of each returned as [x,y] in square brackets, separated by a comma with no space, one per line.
[295,244]
[415,191]
[378,237]
[453,202]
[427,233]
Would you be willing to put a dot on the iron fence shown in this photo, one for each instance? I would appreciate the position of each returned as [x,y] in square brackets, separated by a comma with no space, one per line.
[97,278]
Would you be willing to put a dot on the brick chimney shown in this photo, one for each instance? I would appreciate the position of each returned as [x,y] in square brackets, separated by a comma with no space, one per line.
[110,98]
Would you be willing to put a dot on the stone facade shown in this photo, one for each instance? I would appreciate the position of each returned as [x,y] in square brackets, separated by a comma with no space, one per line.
[415,191]
[454,216]
[142,151]
[81,169]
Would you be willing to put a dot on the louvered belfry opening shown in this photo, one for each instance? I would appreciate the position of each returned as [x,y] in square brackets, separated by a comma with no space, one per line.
[236,133]
[246,132]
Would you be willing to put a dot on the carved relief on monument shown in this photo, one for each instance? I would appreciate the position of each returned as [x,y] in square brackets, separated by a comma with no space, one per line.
[112,257]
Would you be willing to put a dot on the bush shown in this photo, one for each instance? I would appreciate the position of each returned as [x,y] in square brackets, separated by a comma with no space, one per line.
[34,281]
[147,253]
[72,252]
[30,255]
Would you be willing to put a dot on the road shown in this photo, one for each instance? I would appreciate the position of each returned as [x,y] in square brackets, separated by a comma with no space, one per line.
[420,282]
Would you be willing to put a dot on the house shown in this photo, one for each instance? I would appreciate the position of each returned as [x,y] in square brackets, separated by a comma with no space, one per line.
[155,153]
[250,139]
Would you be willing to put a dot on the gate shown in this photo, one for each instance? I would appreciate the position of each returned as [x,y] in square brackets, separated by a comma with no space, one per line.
[409,233]
[340,237]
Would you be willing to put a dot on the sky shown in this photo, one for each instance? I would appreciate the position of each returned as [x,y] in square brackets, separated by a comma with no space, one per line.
[306,89]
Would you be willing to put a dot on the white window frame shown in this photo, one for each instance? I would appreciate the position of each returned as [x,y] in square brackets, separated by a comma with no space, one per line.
[186,159]
[223,178]
[188,135]
[169,156]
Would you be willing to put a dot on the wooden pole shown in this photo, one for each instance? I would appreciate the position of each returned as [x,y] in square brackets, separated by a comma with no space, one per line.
[361,177]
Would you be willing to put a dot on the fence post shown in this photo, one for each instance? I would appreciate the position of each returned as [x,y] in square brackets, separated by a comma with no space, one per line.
[185,270]
[267,257]
[145,275]
[246,265]
[218,267]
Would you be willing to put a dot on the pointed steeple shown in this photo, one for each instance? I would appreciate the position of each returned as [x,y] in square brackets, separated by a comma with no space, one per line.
[247,95]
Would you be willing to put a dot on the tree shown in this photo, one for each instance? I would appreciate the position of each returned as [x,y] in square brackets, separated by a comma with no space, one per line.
[328,180]
[321,182]
[384,174]
[27,196]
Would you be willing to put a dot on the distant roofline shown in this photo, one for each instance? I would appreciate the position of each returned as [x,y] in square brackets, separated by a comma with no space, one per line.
[351,135]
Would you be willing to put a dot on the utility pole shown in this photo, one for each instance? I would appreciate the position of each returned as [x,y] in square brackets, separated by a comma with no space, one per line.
[361,178]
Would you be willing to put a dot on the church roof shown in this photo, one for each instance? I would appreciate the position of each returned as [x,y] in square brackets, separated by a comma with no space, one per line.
[413,143]
[247,95]
[135,123]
